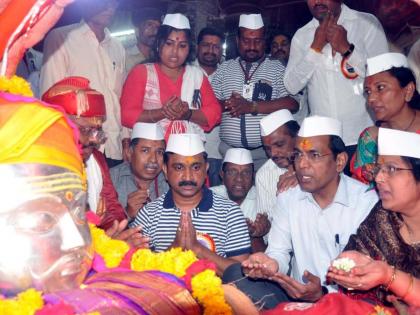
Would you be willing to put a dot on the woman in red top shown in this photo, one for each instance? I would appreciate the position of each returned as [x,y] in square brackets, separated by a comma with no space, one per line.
[176,95]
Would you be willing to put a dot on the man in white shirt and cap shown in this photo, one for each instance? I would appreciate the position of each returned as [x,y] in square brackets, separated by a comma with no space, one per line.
[249,87]
[313,220]
[328,57]
[87,49]
[278,134]
[238,185]
[140,179]
[191,216]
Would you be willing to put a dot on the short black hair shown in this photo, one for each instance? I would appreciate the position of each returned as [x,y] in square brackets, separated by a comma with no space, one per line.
[292,128]
[336,146]
[140,16]
[415,165]
[280,32]
[167,154]
[134,142]
[163,34]
[404,76]
[210,31]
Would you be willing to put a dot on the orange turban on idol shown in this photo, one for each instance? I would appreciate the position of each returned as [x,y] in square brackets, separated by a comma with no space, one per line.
[76,97]
[33,132]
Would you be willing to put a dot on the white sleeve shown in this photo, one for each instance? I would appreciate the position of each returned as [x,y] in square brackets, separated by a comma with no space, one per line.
[300,67]
[55,59]
[279,237]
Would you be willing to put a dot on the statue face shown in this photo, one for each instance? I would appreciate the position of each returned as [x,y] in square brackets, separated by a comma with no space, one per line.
[44,236]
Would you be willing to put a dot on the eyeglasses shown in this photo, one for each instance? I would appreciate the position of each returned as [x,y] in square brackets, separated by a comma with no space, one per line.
[233,173]
[388,170]
[93,133]
[311,156]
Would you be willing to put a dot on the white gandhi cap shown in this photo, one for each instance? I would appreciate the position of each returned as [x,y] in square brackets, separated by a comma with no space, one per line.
[399,143]
[177,20]
[147,131]
[251,21]
[238,156]
[186,144]
[275,120]
[385,62]
[320,126]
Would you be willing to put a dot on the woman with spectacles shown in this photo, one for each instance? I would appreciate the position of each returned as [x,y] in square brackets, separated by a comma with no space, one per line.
[390,89]
[388,241]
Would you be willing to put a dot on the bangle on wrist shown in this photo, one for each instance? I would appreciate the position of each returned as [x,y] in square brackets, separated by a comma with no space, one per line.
[410,287]
[393,276]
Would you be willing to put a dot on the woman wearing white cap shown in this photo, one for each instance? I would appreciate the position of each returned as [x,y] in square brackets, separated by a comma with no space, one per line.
[391,94]
[170,92]
[389,238]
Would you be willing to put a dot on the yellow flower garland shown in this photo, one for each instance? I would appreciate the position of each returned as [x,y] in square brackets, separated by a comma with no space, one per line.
[26,303]
[15,85]
[112,251]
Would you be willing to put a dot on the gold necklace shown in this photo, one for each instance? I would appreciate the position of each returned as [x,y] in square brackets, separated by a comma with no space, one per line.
[411,240]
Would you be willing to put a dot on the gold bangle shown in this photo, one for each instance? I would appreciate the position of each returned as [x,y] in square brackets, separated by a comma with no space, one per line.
[394,275]
[410,287]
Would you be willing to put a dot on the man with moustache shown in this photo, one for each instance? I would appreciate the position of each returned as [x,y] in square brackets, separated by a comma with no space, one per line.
[87,49]
[140,179]
[146,23]
[313,220]
[280,46]
[238,185]
[278,134]
[209,54]
[328,57]
[249,87]
[191,216]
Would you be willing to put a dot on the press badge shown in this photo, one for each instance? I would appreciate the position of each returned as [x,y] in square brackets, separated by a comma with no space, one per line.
[248,91]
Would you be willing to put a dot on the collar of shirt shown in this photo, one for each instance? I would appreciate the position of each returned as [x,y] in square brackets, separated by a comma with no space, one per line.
[345,14]
[205,204]
[255,63]
[341,196]
[86,30]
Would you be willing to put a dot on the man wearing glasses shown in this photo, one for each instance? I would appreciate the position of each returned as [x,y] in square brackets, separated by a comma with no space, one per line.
[313,220]
[238,185]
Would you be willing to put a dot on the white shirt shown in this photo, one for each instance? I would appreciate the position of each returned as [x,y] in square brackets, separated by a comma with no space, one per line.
[302,227]
[248,206]
[95,182]
[213,137]
[329,92]
[414,62]
[266,181]
[74,50]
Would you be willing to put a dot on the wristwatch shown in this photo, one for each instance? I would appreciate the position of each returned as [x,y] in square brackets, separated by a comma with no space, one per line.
[254,108]
[349,51]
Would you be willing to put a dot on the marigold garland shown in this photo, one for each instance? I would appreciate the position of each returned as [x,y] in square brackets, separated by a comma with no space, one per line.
[112,251]
[25,303]
[379,310]
[15,85]
[174,261]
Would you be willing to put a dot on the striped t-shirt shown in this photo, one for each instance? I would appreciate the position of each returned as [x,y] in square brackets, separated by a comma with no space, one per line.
[215,216]
[244,132]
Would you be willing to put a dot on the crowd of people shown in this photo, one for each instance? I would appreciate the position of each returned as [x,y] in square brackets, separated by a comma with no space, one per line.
[270,166]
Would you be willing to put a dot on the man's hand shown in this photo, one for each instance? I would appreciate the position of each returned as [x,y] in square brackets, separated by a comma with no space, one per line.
[132,236]
[259,227]
[312,291]
[286,181]
[186,236]
[259,265]
[337,37]
[135,201]
[238,105]
[320,37]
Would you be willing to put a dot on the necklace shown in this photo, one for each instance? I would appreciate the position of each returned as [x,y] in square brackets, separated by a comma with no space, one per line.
[411,240]
[412,121]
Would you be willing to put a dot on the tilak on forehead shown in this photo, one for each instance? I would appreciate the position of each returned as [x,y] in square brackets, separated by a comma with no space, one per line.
[306,144]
